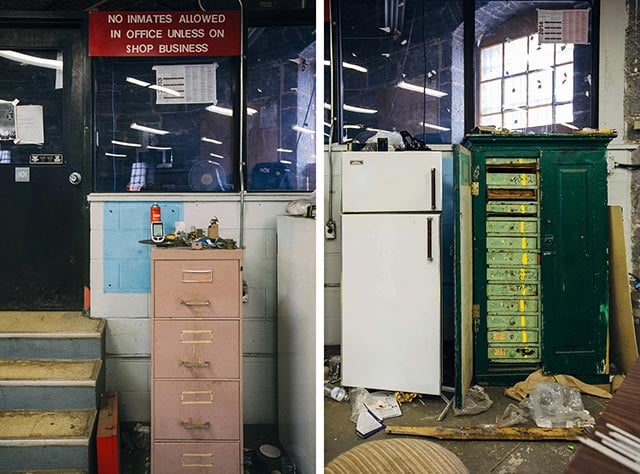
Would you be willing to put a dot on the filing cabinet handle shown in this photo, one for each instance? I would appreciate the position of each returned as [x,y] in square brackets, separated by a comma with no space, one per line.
[196,303]
[433,188]
[195,426]
[430,239]
[195,365]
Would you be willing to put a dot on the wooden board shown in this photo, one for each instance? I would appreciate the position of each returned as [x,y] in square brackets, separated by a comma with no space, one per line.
[624,348]
[478,433]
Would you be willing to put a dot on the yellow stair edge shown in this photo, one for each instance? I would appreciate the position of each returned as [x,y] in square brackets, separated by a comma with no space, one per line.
[54,372]
[46,428]
[50,324]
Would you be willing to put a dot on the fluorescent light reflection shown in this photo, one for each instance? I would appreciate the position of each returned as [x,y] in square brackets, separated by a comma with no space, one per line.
[211,140]
[351,66]
[138,82]
[359,110]
[284,150]
[300,129]
[160,148]
[228,112]
[134,145]
[570,126]
[215,155]
[142,128]
[435,127]
[285,162]
[424,90]
[116,155]
[31,60]
[354,127]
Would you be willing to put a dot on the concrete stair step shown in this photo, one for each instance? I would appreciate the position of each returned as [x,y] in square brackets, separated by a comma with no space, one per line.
[40,440]
[50,335]
[56,384]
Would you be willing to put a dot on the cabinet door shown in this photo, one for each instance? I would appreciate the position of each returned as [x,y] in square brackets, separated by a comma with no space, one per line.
[463,257]
[574,240]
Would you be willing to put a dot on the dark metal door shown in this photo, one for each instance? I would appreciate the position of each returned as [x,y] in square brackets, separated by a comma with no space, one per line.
[574,262]
[43,130]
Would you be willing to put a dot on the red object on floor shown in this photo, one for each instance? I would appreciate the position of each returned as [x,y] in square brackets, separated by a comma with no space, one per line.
[108,438]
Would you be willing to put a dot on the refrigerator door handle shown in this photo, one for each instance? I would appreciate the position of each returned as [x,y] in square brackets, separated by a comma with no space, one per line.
[430,239]
[433,188]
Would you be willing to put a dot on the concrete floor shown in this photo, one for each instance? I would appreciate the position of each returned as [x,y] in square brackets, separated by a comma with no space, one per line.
[482,457]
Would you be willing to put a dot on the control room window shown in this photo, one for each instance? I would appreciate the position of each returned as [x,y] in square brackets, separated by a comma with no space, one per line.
[165,125]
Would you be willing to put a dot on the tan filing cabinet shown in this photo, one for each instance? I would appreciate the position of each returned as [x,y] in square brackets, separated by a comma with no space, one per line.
[196,361]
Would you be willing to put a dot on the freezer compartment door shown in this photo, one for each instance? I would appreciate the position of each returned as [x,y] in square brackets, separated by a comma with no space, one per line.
[409,181]
[391,302]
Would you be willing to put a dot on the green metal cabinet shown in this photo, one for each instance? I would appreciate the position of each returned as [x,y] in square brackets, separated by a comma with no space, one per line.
[539,280]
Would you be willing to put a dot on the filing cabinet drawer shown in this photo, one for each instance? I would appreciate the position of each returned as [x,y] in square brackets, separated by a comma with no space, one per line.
[512,243]
[184,410]
[512,180]
[515,161]
[513,305]
[511,336]
[506,207]
[196,289]
[197,458]
[527,274]
[501,225]
[512,289]
[514,353]
[512,258]
[196,349]
[510,321]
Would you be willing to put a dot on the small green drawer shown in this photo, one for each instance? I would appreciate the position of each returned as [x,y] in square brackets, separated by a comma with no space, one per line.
[512,180]
[511,336]
[514,353]
[512,258]
[502,225]
[510,321]
[529,273]
[510,161]
[505,207]
[529,304]
[512,289]
[512,243]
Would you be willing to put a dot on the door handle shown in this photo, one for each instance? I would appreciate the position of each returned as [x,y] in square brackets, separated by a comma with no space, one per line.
[433,188]
[75,178]
[430,238]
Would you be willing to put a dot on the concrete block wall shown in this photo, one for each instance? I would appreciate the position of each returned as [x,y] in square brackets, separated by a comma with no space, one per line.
[120,289]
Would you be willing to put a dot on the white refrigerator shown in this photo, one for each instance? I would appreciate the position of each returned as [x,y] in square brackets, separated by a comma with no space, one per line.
[391,266]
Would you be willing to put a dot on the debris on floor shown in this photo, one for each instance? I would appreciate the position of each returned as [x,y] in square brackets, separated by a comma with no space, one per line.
[521,389]
[475,401]
[489,433]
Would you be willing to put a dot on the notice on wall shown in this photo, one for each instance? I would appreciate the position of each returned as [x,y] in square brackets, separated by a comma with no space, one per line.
[7,121]
[563,26]
[200,33]
[29,125]
[186,84]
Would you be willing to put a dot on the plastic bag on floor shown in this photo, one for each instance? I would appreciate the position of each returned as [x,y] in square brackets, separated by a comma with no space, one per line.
[476,401]
[513,415]
[552,405]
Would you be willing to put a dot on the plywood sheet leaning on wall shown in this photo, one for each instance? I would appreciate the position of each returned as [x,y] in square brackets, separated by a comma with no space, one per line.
[624,348]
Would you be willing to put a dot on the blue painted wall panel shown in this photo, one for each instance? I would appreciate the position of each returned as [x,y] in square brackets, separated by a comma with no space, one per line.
[126,260]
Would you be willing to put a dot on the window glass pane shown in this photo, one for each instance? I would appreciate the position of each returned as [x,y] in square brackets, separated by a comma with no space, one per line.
[564,53]
[515,56]
[540,87]
[404,47]
[155,128]
[540,116]
[491,97]
[491,62]
[515,91]
[31,85]
[540,55]
[491,120]
[281,73]
[549,75]
[564,113]
[564,83]
[515,119]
